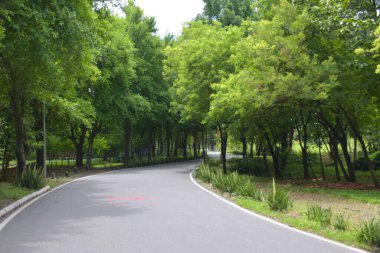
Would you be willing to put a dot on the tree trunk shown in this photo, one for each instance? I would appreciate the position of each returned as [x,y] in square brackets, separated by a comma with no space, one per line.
[274,154]
[18,106]
[91,138]
[176,145]
[78,140]
[168,141]
[127,141]
[204,155]
[195,142]
[251,148]
[244,144]
[184,145]
[223,142]
[364,148]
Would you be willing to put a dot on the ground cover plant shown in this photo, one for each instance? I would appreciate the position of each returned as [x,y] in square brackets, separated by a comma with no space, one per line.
[332,213]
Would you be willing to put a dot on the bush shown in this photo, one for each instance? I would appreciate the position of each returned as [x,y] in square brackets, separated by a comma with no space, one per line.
[375,157]
[205,173]
[369,233]
[360,165]
[247,189]
[250,166]
[32,179]
[320,214]
[341,222]
[220,182]
[278,200]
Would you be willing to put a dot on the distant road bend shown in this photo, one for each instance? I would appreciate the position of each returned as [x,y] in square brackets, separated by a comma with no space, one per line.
[150,209]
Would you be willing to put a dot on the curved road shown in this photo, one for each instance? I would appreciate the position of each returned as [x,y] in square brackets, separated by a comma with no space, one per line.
[149,209]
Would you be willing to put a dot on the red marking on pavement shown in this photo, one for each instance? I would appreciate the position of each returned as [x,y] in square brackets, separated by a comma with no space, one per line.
[110,199]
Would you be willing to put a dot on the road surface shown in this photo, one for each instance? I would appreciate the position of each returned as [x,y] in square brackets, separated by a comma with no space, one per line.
[149,209]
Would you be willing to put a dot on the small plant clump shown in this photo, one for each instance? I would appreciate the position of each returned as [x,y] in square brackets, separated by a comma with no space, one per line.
[278,200]
[369,233]
[32,178]
[320,214]
[205,173]
[341,222]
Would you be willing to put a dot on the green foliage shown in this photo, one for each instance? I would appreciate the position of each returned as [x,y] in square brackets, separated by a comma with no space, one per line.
[320,214]
[278,199]
[369,233]
[341,222]
[250,166]
[205,173]
[375,158]
[248,190]
[32,178]
[234,183]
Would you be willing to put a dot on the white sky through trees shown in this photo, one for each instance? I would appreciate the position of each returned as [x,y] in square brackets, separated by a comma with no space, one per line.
[171,14]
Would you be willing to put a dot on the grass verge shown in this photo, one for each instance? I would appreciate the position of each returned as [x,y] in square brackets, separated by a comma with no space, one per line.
[337,213]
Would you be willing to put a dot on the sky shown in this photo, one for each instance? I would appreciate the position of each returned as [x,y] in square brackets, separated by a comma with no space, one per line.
[171,14]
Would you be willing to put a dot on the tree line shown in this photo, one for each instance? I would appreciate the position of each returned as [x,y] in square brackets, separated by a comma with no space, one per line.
[99,76]
[266,73]
[269,73]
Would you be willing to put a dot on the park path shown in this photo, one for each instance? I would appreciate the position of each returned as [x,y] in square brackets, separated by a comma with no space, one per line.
[149,209]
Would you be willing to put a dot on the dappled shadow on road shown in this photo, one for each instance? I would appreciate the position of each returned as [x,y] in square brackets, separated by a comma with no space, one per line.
[73,210]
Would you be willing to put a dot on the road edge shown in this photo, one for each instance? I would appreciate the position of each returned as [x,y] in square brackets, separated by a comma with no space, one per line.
[23,206]
[16,204]
[272,220]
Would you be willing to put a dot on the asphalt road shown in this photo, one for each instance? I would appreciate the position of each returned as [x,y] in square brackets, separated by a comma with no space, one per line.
[149,209]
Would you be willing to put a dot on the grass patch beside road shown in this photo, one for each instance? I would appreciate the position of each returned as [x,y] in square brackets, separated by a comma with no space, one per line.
[336,214]
[9,193]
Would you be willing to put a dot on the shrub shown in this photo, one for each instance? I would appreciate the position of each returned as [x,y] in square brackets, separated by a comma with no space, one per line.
[341,222]
[205,173]
[32,179]
[278,200]
[375,157]
[247,189]
[320,214]
[369,233]
[360,164]
[220,182]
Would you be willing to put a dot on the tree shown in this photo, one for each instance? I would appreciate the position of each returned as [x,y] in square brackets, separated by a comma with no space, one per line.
[198,59]
[227,12]
[34,60]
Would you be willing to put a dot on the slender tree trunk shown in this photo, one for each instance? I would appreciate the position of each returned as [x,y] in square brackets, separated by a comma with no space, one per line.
[302,138]
[267,170]
[91,138]
[168,141]
[359,137]
[127,141]
[184,147]
[244,144]
[204,155]
[176,145]
[274,154]
[195,142]
[18,103]
[251,148]
[223,142]
[149,143]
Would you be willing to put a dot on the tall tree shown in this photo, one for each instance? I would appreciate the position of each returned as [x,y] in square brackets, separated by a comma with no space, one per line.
[34,60]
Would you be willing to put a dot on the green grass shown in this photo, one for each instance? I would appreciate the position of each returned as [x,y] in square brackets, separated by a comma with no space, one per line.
[333,223]
[10,192]
[295,218]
